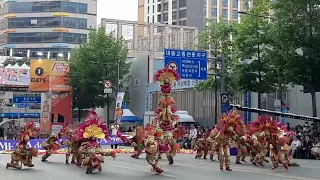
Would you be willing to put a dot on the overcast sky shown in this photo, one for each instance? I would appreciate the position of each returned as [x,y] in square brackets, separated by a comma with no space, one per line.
[118,9]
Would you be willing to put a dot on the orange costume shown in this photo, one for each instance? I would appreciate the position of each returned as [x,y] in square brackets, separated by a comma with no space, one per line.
[22,154]
[166,118]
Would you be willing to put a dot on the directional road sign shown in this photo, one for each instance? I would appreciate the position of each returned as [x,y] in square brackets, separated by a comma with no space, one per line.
[225,103]
[189,64]
[26,98]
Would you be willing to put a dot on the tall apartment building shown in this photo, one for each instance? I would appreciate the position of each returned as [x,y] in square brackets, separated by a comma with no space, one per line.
[190,12]
[174,12]
[37,27]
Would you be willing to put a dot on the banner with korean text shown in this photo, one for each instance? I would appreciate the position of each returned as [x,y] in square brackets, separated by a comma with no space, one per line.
[118,111]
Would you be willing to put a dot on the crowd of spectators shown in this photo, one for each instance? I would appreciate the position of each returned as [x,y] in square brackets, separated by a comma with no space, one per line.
[306,136]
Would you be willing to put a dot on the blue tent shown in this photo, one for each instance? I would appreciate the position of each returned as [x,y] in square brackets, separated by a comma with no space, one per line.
[128,116]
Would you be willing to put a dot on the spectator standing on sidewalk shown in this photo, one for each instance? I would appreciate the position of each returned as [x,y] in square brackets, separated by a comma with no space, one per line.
[193,136]
[295,145]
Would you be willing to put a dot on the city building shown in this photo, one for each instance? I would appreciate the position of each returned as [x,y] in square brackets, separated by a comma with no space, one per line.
[173,12]
[35,27]
[190,12]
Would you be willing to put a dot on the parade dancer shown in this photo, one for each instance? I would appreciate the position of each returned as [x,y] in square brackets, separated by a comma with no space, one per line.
[202,147]
[66,132]
[92,130]
[50,145]
[166,118]
[152,149]
[138,143]
[227,128]
[23,155]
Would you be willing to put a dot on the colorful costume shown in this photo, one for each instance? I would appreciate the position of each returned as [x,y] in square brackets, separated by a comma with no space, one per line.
[90,132]
[22,154]
[50,145]
[66,132]
[152,149]
[202,147]
[138,143]
[229,126]
[315,150]
[166,119]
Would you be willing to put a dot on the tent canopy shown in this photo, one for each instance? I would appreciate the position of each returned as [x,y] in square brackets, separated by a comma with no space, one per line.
[24,66]
[8,66]
[185,117]
[16,66]
[128,116]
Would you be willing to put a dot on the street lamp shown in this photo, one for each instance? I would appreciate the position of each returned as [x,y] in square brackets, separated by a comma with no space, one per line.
[39,53]
[60,55]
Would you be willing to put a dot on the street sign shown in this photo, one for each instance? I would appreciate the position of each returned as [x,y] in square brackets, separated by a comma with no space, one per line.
[189,64]
[225,103]
[107,84]
[20,115]
[26,98]
[107,90]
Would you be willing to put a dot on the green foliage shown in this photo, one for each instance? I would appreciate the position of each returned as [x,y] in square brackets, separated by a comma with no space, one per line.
[92,63]
[252,44]
[216,37]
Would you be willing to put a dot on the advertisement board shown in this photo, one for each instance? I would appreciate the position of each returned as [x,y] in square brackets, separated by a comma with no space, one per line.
[49,75]
[14,76]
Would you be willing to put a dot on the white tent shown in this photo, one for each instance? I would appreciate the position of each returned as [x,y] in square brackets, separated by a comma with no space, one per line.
[16,66]
[9,66]
[24,66]
[185,117]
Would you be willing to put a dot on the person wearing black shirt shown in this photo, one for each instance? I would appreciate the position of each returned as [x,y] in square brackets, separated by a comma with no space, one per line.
[307,145]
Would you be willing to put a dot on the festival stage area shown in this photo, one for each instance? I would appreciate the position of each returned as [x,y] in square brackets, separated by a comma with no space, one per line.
[185,168]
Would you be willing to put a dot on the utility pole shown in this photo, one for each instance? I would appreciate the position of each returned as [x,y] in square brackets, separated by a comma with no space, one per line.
[223,70]
[259,74]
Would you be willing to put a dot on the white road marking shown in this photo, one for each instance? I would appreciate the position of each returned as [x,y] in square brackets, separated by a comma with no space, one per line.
[133,169]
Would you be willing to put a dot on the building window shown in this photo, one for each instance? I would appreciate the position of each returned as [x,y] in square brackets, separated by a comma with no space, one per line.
[174,15]
[245,5]
[165,6]
[225,13]
[46,37]
[148,9]
[165,17]
[214,2]
[182,3]
[47,6]
[159,7]
[235,14]
[226,21]
[214,12]
[174,4]
[174,23]
[183,13]
[234,3]
[225,3]
[159,17]
[183,23]
[40,22]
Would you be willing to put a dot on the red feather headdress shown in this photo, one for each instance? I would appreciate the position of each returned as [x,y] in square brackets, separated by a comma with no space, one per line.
[231,122]
[30,130]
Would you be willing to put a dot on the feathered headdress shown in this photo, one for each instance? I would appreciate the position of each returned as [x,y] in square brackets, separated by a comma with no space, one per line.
[92,114]
[267,124]
[29,130]
[166,77]
[93,127]
[66,129]
[179,132]
[231,122]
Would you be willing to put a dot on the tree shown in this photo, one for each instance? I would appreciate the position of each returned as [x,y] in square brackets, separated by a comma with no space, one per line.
[256,73]
[216,38]
[92,63]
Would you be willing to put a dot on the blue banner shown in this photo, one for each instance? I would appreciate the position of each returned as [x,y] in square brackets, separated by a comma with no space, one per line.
[225,103]
[36,143]
[247,103]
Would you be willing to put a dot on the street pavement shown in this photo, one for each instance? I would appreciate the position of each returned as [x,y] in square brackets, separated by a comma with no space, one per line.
[184,168]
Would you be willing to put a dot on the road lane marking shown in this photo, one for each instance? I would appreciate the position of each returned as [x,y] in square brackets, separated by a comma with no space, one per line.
[133,169]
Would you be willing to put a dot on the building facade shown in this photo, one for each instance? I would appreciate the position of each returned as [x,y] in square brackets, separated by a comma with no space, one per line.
[190,12]
[36,27]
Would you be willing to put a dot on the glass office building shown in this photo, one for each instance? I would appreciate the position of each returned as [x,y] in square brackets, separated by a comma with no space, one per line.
[33,26]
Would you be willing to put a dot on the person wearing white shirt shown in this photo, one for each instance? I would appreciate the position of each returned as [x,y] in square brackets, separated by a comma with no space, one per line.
[296,143]
[193,136]
[114,133]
